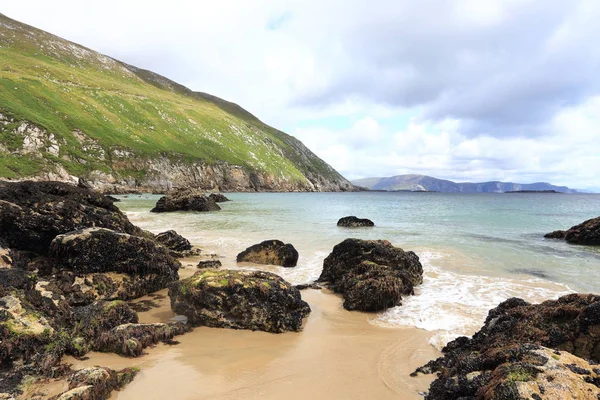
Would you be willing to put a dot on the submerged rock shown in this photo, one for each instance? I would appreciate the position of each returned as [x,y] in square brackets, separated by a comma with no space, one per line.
[218,197]
[185,200]
[586,233]
[144,265]
[253,300]
[272,252]
[354,222]
[469,366]
[33,213]
[372,275]
[178,245]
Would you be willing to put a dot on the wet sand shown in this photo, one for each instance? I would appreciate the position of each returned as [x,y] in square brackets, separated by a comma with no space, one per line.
[338,355]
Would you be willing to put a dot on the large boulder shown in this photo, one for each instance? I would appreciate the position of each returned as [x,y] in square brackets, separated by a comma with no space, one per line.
[138,265]
[271,252]
[33,213]
[218,197]
[586,233]
[178,245]
[354,222]
[372,275]
[470,365]
[253,300]
[185,200]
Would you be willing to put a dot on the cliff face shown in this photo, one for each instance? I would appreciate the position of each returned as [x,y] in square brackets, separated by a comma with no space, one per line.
[68,112]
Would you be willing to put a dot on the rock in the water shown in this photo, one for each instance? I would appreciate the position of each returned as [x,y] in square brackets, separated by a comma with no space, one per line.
[209,264]
[471,365]
[253,300]
[354,222]
[96,383]
[372,275]
[218,197]
[145,265]
[586,233]
[185,200]
[177,244]
[33,213]
[273,252]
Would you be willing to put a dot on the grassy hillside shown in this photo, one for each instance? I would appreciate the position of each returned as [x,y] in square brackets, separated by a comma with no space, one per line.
[65,88]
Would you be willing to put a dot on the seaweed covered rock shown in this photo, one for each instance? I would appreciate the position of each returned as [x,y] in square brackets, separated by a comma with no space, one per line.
[354,222]
[185,200]
[209,264]
[273,252]
[218,197]
[571,324]
[131,339]
[143,265]
[586,233]
[96,383]
[253,300]
[372,275]
[178,246]
[33,213]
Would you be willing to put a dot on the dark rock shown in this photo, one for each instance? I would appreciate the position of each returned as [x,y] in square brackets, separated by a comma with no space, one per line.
[313,285]
[372,275]
[111,198]
[33,213]
[96,383]
[145,266]
[354,222]
[131,339]
[571,323]
[185,200]
[178,245]
[273,252]
[218,197]
[253,300]
[586,233]
[209,264]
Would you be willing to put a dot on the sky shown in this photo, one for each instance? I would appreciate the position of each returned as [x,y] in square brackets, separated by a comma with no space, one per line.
[466,90]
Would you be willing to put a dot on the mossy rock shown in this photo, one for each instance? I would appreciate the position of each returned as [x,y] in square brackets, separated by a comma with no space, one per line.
[238,299]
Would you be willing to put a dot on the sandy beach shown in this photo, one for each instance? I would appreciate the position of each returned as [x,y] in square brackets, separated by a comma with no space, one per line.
[338,355]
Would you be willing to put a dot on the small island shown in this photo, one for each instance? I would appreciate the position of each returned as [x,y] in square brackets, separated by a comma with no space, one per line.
[532,191]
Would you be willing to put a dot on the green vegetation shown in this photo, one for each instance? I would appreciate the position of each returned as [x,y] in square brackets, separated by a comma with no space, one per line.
[67,89]
[520,375]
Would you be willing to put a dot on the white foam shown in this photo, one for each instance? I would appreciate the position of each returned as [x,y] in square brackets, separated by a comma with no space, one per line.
[456,305]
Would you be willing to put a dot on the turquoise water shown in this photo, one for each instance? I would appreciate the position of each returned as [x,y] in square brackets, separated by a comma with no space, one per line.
[477,249]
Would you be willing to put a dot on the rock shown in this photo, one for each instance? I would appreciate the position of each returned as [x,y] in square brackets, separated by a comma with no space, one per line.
[131,339]
[586,233]
[178,245]
[253,300]
[354,222]
[271,252]
[312,285]
[33,213]
[218,197]
[571,324]
[96,383]
[185,200]
[209,264]
[372,275]
[145,266]
[111,198]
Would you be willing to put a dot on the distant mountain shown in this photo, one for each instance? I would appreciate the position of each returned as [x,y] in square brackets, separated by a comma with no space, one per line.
[427,183]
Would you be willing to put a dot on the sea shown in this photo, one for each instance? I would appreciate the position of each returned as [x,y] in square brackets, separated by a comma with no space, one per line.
[477,250]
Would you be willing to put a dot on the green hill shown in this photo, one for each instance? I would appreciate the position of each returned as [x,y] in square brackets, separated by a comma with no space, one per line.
[67,111]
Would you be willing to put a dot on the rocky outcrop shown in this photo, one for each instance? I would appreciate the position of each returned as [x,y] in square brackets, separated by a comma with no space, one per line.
[209,264]
[254,300]
[141,266]
[179,247]
[33,213]
[218,197]
[185,200]
[270,252]
[354,222]
[586,233]
[96,383]
[505,350]
[372,275]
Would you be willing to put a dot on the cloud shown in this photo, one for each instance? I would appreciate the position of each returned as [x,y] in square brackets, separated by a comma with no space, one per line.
[464,89]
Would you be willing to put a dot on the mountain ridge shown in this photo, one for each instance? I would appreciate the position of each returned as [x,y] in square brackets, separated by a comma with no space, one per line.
[69,112]
[415,182]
